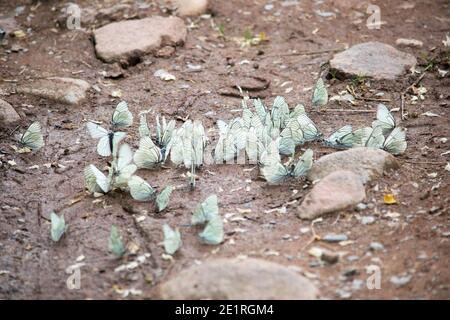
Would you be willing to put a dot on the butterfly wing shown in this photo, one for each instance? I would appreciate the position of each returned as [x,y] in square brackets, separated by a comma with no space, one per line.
[122,117]
[95,130]
[320,94]
[286,146]
[144,130]
[260,109]
[385,119]
[32,138]
[139,189]
[213,233]
[376,138]
[275,173]
[167,133]
[162,199]
[172,239]
[310,131]
[360,136]
[125,156]
[96,181]
[342,138]
[303,164]
[148,155]
[205,210]
[396,142]
[298,110]
[58,226]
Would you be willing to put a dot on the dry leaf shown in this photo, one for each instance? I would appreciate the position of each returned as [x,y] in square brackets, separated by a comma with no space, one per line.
[389,198]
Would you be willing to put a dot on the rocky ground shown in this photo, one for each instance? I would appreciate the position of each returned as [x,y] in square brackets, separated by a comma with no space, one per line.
[375,214]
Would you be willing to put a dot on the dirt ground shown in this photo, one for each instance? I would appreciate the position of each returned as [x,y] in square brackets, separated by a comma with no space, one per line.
[415,243]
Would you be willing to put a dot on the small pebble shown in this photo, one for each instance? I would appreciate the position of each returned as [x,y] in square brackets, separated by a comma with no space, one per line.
[367,220]
[400,280]
[352,258]
[375,246]
[357,284]
[361,206]
[335,238]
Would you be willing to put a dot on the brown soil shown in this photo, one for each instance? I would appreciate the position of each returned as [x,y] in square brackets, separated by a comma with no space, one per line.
[414,244]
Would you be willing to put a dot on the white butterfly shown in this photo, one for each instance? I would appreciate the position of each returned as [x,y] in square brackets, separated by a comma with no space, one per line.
[395,143]
[58,226]
[376,138]
[140,190]
[205,210]
[213,233]
[260,109]
[162,199]
[232,138]
[271,153]
[320,94]
[32,137]
[276,172]
[385,119]
[293,131]
[122,167]
[298,110]
[360,136]
[164,132]
[122,117]
[279,113]
[310,131]
[148,155]
[96,181]
[109,140]
[144,130]
[342,138]
[172,239]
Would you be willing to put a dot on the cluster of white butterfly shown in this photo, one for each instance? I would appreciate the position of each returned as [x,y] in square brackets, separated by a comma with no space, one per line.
[206,213]
[121,172]
[185,146]
[264,135]
[383,134]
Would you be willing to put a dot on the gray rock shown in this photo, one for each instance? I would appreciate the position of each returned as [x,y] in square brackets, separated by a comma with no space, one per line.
[367,220]
[7,113]
[361,206]
[131,39]
[409,42]
[64,90]
[352,258]
[337,191]
[366,162]
[238,279]
[375,246]
[335,238]
[372,59]
[191,7]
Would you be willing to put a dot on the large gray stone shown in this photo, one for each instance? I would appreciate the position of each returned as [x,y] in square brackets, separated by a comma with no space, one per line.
[126,40]
[190,7]
[238,279]
[337,191]
[7,113]
[64,90]
[366,162]
[372,59]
